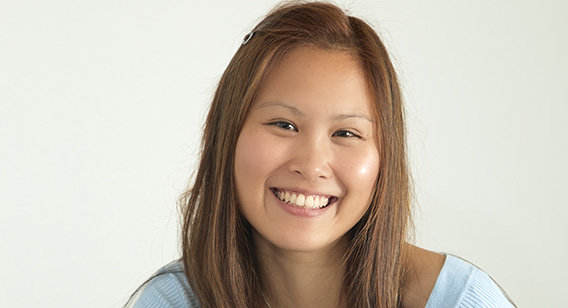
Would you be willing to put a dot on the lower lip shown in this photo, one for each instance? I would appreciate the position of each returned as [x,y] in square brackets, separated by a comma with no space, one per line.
[303,212]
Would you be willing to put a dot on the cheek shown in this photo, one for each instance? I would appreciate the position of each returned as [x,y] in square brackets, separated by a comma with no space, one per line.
[361,173]
[252,154]
[255,159]
[366,168]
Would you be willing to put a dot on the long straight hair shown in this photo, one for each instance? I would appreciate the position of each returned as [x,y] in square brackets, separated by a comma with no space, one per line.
[218,250]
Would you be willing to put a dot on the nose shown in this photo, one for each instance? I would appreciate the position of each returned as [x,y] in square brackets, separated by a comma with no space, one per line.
[312,158]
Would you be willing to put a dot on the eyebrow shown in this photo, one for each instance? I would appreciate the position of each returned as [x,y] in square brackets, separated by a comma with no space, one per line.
[297,112]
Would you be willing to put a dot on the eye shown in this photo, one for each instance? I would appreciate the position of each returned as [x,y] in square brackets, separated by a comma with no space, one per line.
[345,134]
[284,125]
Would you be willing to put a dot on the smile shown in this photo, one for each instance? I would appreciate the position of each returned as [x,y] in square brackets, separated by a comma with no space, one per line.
[303,201]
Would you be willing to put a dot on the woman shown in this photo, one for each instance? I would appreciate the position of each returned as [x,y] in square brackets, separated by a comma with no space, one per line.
[302,196]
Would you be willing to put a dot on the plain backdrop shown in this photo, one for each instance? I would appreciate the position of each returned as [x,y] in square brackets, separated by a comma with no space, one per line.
[101,110]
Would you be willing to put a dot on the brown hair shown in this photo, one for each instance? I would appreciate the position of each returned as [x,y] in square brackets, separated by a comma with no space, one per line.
[218,251]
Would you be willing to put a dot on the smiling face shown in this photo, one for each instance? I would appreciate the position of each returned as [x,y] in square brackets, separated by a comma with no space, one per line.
[307,158]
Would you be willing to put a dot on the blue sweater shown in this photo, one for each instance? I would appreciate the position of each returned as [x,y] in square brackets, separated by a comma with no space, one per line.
[459,284]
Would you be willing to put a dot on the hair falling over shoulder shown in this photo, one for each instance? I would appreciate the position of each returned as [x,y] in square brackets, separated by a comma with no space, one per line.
[218,251]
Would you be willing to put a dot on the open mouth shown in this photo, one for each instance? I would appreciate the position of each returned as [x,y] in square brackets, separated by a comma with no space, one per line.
[310,202]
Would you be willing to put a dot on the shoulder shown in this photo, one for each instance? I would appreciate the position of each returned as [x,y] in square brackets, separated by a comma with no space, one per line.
[167,288]
[462,284]
[445,280]
[424,267]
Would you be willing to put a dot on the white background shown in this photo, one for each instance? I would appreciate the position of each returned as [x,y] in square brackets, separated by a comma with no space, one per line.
[102,102]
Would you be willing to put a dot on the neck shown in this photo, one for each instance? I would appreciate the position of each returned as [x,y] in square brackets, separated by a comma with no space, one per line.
[301,279]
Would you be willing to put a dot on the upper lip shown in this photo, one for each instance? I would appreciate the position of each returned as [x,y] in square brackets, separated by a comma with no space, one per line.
[304,191]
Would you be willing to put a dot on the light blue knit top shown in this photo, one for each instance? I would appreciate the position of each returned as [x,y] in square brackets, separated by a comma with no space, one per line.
[459,284]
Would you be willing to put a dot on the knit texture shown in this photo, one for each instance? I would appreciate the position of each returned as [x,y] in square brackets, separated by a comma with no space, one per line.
[463,285]
[460,284]
[167,289]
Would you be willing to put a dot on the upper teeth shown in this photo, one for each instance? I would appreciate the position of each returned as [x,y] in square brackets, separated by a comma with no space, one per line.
[301,200]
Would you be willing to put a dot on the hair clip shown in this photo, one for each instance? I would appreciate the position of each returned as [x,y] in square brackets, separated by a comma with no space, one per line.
[248,37]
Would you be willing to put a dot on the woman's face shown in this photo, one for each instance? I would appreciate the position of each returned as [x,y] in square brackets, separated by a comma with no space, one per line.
[307,157]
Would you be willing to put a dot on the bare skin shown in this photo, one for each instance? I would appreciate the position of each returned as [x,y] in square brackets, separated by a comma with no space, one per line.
[301,279]
[297,279]
[311,129]
[422,277]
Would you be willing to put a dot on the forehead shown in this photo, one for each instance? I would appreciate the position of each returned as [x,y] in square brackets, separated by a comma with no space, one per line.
[316,79]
